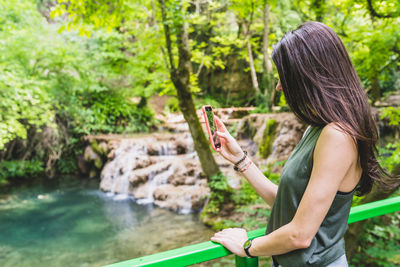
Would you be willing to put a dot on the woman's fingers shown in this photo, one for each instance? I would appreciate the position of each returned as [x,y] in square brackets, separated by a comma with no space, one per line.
[222,135]
[220,124]
[218,240]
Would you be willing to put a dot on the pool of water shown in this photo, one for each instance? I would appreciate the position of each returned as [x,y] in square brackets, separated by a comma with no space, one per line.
[69,222]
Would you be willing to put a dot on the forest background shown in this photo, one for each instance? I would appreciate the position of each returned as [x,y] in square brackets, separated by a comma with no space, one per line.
[79,67]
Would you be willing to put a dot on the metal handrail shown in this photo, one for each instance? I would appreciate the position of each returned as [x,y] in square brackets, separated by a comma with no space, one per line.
[209,250]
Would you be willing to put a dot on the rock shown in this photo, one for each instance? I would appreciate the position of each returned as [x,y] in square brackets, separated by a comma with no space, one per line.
[181,147]
[140,176]
[389,100]
[141,191]
[153,149]
[142,162]
[233,113]
[113,145]
[177,179]
[89,154]
[83,165]
[107,176]
[161,148]
[94,162]
[201,182]
[103,148]
[185,172]
[190,180]
[184,198]
[111,155]
[252,126]
[289,134]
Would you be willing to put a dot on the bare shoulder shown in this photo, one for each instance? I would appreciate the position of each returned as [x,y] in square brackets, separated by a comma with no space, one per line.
[334,137]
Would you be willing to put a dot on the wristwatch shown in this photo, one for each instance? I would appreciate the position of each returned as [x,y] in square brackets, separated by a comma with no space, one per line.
[246,247]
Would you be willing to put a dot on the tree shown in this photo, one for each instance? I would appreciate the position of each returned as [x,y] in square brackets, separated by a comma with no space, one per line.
[180,76]
[268,74]
[245,13]
[118,15]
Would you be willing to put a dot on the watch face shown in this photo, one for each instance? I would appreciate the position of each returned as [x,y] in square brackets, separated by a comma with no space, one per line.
[247,244]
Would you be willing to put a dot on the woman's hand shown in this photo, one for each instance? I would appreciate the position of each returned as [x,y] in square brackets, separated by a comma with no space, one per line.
[233,239]
[230,149]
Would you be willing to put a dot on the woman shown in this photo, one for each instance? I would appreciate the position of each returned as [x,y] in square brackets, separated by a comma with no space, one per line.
[334,159]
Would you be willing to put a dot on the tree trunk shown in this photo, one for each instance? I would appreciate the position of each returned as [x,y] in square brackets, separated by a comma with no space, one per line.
[352,235]
[251,63]
[180,77]
[269,91]
[267,60]
[375,89]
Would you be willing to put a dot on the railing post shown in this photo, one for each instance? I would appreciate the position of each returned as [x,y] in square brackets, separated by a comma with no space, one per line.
[246,262]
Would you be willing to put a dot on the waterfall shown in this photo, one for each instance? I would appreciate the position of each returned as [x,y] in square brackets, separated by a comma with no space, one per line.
[154,181]
[119,169]
[135,155]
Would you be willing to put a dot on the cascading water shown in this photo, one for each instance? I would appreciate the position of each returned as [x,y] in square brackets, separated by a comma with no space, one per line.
[154,181]
[140,166]
[119,169]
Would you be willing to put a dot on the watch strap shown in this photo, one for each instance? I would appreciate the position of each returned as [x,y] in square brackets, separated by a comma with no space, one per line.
[246,248]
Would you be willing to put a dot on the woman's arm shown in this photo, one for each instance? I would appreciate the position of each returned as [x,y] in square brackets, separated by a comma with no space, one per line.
[231,151]
[334,156]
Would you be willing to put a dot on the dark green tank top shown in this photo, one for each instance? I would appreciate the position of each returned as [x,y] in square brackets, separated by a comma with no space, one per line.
[328,243]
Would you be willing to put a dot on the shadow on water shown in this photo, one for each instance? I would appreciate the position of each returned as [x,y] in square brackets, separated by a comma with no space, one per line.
[69,222]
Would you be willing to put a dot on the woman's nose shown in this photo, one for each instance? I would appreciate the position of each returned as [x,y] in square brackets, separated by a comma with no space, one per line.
[278,86]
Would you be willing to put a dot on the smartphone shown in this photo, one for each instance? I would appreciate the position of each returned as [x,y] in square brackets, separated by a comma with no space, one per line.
[211,127]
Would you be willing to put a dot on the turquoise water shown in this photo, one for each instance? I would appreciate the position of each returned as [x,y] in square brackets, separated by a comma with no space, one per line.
[69,222]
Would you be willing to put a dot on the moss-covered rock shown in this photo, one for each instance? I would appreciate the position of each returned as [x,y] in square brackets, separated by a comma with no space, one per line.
[265,147]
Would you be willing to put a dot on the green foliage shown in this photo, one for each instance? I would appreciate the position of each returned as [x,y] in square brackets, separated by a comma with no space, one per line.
[392,149]
[265,147]
[86,81]
[251,212]
[273,177]
[393,114]
[23,104]
[19,169]
[381,246]
[251,217]
[73,84]
[356,200]
[246,195]
[172,105]
[391,156]
[220,194]
[99,14]
[282,103]
[111,112]
[218,31]
[218,183]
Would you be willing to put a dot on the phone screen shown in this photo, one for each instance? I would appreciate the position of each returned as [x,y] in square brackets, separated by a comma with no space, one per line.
[213,127]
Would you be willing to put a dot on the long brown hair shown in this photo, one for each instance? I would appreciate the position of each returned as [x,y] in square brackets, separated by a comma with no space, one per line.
[321,86]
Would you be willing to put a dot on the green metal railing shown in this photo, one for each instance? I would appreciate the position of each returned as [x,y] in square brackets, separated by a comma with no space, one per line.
[208,250]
